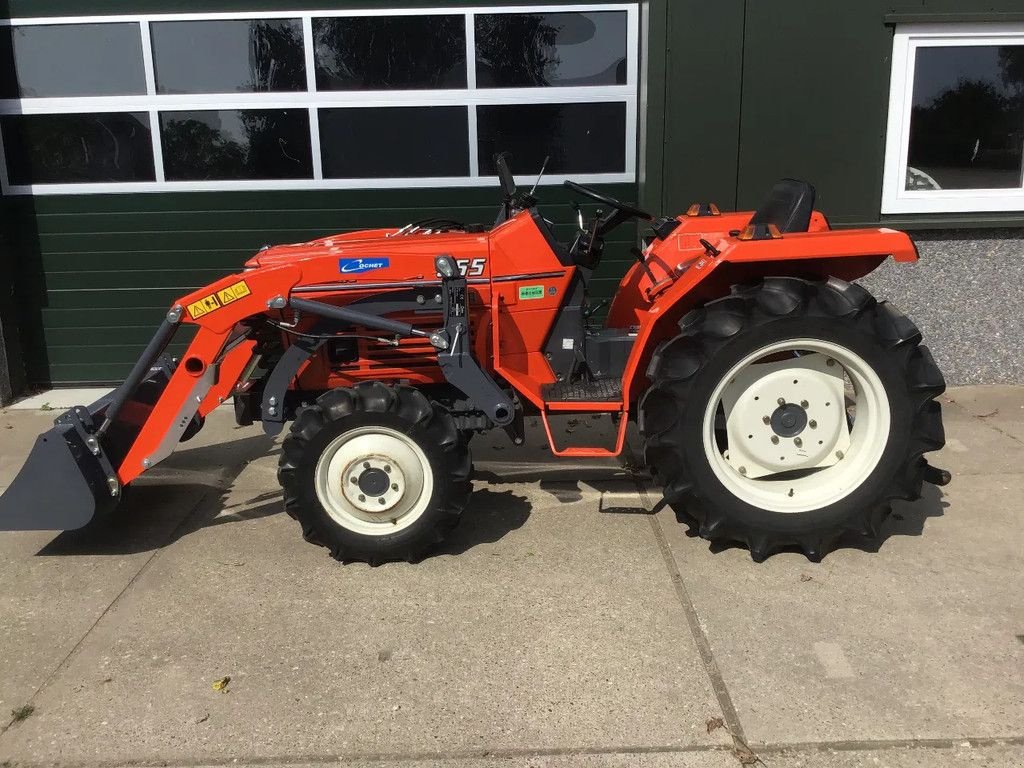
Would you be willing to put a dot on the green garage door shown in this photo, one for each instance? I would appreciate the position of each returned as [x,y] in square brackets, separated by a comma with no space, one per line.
[134,174]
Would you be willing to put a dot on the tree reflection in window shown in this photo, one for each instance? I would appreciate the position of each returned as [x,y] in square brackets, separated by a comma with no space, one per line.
[224,56]
[401,52]
[529,50]
[78,148]
[967,124]
[236,144]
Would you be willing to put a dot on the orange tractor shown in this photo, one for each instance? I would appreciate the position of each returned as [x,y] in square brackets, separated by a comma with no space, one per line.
[780,405]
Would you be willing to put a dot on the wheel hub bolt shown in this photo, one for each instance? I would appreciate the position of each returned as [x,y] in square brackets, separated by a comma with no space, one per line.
[382,500]
[839,455]
[767,419]
[743,470]
[830,362]
[782,401]
[804,403]
[366,465]
[361,497]
[798,442]
[394,486]
[387,468]
[812,424]
[775,439]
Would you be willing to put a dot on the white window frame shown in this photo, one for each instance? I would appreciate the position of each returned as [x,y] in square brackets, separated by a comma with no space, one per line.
[311,99]
[908,40]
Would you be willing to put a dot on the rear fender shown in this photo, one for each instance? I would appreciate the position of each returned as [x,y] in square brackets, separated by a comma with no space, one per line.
[847,255]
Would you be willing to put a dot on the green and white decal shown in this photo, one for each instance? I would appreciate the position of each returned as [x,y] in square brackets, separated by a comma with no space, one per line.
[531,292]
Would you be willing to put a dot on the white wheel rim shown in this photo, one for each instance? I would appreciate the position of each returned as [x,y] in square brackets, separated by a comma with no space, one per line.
[768,466]
[374,481]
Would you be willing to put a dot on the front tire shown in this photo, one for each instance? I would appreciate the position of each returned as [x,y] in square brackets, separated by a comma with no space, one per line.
[790,412]
[375,473]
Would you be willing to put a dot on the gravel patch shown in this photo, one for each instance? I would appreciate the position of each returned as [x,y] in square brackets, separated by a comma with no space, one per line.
[967,296]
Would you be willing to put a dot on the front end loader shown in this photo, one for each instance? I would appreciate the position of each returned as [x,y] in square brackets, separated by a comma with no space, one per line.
[780,404]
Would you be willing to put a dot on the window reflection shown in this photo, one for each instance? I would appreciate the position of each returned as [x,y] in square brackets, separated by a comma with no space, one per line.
[551,49]
[236,144]
[394,142]
[75,149]
[579,138]
[377,53]
[71,60]
[967,124]
[238,55]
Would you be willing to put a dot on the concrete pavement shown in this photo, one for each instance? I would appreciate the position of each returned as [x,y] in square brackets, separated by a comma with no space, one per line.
[562,625]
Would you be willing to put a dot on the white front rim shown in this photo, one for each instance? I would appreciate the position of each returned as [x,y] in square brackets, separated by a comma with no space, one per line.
[787,409]
[374,481]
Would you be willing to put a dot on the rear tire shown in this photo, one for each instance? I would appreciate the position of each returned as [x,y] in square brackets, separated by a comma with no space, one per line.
[718,450]
[375,473]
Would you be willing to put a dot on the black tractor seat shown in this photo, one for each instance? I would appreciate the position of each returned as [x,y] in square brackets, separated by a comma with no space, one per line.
[788,206]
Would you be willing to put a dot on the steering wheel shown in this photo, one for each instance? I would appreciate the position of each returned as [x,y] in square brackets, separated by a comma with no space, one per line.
[618,205]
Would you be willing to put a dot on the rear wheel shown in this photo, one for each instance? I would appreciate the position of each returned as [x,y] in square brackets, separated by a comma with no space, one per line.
[375,473]
[790,412]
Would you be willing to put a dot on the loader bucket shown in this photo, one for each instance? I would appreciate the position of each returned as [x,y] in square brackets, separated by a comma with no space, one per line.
[62,486]
[70,476]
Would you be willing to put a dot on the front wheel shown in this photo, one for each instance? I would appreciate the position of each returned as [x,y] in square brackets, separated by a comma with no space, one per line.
[791,412]
[375,473]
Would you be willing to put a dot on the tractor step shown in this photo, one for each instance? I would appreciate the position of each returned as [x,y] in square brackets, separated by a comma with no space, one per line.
[599,391]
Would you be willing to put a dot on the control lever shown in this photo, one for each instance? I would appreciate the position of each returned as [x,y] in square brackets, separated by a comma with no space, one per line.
[591,311]
[639,256]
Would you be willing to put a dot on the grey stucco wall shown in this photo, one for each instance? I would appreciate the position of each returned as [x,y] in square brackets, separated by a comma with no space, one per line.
[967,296]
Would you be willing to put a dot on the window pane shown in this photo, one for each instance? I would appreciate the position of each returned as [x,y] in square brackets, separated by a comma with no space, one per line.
[378,53]
[967,125]
[236,144]
[239,55]
[580,138]
[71,60]
[524,50]
[394,142]
[72,149]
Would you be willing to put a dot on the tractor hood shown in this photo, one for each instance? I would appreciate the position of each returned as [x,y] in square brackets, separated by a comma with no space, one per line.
[367,244]
[277,255]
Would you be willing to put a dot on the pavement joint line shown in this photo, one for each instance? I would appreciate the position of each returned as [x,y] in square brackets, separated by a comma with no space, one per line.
[882,745]
[220,484]
[773,748]
[732,718]
[700,638]
[383,757]
[949,402]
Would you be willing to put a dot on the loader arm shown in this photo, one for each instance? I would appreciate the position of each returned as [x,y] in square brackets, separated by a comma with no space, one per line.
[77,469]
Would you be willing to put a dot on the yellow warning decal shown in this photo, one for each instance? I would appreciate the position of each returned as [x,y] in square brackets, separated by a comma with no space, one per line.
[233,293]
[221,298]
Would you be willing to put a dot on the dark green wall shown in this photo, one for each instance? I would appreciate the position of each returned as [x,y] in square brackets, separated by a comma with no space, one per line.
[97,272]
[755,91]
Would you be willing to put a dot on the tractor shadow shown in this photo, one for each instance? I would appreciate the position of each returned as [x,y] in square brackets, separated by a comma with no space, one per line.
[178,498]
[490,516]
[182,497]
[908,518]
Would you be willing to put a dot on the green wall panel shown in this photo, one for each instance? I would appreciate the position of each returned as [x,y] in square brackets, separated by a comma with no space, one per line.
[815,96]
[755,91]
[97,272]
[703,85]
